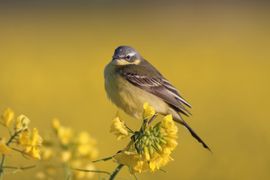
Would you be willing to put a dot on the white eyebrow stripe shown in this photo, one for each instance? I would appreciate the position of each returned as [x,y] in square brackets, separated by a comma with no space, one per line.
[132,53]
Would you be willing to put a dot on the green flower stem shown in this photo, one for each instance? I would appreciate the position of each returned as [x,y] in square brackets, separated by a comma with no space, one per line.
[144,125]
[68,172]
[1,166]
[116,171]
[104,159]
[19,168]
[13,137]
[147,122]
[20,151]
[3,156]
[93,171]
[129,130]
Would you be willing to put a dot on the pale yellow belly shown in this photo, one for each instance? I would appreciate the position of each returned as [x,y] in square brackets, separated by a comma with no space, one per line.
[131,98]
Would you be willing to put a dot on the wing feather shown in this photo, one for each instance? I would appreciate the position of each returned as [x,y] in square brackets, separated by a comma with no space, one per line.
[157,85]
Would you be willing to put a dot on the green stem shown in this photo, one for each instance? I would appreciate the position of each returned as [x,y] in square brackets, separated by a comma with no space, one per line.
[3,156]
[13,137]
[104,159]
[130,130]
[116,171]
[68,173]
[20,151]
[93,171]
[144,125]
[19,168]
[1,166]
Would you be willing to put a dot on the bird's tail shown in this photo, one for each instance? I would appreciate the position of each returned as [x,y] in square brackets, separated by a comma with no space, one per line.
[192,132]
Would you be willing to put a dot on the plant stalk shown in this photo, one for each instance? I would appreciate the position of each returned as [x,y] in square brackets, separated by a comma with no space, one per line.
[116,171]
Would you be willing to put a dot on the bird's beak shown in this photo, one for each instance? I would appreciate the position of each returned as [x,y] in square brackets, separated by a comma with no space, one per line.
[115,58]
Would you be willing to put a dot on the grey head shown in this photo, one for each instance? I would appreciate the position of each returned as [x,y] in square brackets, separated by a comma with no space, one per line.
[127,54]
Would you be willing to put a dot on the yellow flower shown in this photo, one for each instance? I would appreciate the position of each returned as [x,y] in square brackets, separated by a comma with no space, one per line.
[46,153]
[22,123]
[31,143]
[93,154]
[35,144]
[148,112]
[119,129]
[90,167]
[152,147]
[36,139]
[40,175]
[65,135]
[169,126]
[159,161]
[33,152]
[7,117]
[66,156]
[86,145]
[75,149]
[84,149]
[85,138]
[4,149]
[168,136]
[24,138]
[56,123]
[132,160]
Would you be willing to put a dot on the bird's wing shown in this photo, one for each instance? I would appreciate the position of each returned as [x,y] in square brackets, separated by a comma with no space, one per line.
[150,80]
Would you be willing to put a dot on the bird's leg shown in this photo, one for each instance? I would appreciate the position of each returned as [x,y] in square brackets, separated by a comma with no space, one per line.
[152,118]
[144,125]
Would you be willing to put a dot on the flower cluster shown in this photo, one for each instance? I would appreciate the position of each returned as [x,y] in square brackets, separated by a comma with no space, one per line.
[21,138]
[119,129]
[150,148]
[71,150]
[30,141]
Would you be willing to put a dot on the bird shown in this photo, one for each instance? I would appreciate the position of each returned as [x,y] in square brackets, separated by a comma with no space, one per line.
[130,81]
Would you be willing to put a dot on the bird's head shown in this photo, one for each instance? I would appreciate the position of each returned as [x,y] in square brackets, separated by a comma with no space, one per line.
[126,55]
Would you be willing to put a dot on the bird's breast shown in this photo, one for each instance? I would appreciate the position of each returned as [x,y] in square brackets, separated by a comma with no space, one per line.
[129,97]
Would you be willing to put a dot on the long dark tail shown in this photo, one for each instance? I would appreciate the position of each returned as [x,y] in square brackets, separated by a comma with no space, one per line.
[192,132]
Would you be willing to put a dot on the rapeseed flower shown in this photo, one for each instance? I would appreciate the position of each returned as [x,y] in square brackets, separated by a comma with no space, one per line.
[4,149]
[7,117]
[64,134]
[150,148]
[119,129]
[73,150]
[31,143]
[21,139]
[21,123]
[86,145]
[148,111]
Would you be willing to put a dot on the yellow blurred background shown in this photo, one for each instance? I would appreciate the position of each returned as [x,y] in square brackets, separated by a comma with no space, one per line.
[52,57]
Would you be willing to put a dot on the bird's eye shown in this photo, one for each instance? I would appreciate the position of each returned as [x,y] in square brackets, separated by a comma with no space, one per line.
[128,57]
